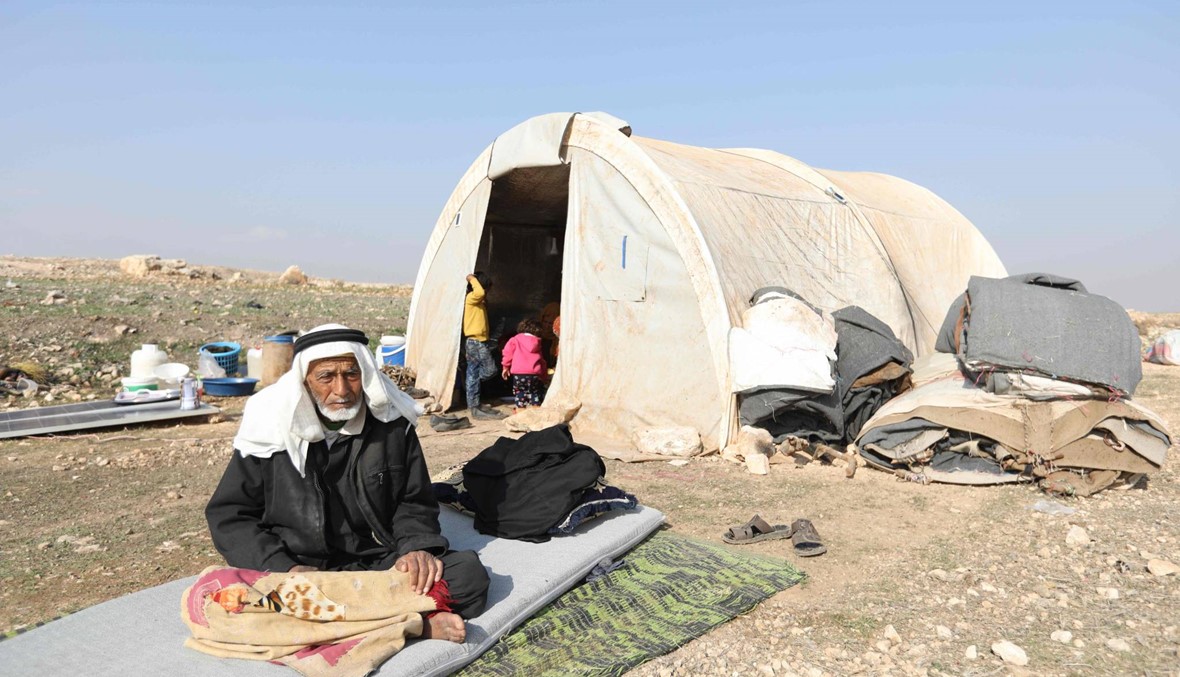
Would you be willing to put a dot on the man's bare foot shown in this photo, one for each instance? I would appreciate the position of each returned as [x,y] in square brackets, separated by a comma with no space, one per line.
[445,625]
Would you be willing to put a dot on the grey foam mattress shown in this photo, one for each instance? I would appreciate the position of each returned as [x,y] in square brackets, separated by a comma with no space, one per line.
[142,634]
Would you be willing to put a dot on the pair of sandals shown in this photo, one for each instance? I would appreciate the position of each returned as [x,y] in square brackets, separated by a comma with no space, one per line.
[802,533]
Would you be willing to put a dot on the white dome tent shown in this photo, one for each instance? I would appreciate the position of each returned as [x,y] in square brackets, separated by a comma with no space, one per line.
[654,249]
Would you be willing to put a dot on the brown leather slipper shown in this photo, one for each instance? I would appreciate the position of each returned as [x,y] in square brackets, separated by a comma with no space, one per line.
[757,529]
[806,539]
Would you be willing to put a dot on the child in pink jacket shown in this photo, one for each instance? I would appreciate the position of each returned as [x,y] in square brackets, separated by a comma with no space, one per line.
[524,362]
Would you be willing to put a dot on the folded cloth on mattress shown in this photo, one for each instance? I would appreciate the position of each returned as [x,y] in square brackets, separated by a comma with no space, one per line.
[945,412]
[142,633]
[1061,334]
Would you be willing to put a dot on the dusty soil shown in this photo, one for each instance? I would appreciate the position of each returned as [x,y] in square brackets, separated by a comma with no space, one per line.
[915,575]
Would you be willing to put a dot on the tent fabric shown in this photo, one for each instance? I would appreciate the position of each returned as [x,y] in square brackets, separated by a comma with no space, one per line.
[663,245]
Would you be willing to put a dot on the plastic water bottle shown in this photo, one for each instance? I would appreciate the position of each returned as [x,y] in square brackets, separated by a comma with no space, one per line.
[190,398]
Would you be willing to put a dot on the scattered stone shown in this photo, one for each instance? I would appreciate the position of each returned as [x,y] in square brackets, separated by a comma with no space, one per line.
[54,298]
[1079,644]
[139,265]
[678,441]
[123,330]
[937,574]
[1118,645]
[971,653]
[1162,567]
[293,275]
[1063,636]
[1010,653]
[943,632]
[891,634]
[1108,593]
[1077,537]
[758,464]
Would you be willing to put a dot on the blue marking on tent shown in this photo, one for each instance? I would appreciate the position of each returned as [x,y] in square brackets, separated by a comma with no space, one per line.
[624,252]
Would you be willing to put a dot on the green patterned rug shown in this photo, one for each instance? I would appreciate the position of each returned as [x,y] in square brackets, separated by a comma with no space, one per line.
[670,590]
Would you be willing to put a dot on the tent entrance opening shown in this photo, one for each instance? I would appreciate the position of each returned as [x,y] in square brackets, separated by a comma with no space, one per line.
[522,248]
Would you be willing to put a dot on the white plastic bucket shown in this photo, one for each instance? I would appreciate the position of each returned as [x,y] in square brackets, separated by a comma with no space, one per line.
[392,351]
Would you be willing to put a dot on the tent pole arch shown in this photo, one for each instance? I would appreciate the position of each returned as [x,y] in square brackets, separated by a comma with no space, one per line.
[476,173]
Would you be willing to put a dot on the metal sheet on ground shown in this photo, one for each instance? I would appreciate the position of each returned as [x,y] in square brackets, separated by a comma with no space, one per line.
[85,415]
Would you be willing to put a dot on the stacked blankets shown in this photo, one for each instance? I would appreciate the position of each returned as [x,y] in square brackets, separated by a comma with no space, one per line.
[799,374]
[1037,389]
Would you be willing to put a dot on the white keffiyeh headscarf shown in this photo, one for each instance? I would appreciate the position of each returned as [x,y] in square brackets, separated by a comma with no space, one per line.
[282,417]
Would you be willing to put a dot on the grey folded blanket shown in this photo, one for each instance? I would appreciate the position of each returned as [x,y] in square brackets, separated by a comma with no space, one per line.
[1049,331]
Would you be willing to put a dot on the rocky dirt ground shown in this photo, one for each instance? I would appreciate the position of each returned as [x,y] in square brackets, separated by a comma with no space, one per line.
[918,580]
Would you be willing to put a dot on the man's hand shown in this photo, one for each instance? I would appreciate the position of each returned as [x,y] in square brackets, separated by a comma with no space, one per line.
[300,568]
[424,569]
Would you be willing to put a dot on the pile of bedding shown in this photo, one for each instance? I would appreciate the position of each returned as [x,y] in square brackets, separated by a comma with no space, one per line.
[1034,384]
[799,373]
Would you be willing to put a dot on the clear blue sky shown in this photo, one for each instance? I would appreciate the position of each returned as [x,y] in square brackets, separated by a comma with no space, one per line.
[330,135]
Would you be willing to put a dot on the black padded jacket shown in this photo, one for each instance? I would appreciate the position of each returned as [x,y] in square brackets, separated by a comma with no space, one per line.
[265,516]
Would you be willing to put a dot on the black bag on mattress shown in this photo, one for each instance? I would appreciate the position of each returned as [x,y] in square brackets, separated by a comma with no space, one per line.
[523,487]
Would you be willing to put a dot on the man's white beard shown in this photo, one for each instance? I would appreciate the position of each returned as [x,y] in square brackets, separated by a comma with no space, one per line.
[339,415]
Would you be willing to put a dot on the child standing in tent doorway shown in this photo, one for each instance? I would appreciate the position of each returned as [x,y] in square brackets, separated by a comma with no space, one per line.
[547,317]
[480,365]
[523,361]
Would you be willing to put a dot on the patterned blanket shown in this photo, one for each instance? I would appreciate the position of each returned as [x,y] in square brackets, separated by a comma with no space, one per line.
[319,623]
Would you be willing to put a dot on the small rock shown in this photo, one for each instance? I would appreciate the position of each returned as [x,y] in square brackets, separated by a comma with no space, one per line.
[292,275]
[680,441]
[987,587]
[891,634]
[54,298]
[971,653]
[1077,537]
[1118,645]
[943,632]
[1162,567]
[1063,636]
[123,330]
[1108,593]
[1010,653]
[757,464]
[1079,644]
[937,573]
[883,645]
[139,265]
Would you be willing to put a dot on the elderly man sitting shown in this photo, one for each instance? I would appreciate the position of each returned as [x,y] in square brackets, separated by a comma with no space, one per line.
[328,474]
